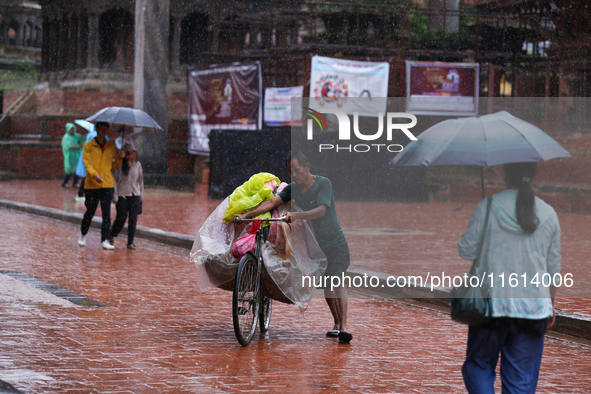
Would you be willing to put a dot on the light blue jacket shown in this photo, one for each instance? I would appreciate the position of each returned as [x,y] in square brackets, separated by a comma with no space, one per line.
[508,250]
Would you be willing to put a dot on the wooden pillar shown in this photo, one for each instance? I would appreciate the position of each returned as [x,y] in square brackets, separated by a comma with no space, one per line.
[45,53]
[20,34]
[92,60]
[83,41]
[72,63]
[62,52]
[491,88]
[175,49]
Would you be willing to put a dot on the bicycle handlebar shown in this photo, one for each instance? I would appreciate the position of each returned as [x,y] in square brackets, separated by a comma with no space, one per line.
[281,219]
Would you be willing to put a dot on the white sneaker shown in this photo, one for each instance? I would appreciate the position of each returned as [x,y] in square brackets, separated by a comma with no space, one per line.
[79,199]
[107,245]
[82,240]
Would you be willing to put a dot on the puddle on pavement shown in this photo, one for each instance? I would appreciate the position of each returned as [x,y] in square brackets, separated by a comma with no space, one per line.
[52,289]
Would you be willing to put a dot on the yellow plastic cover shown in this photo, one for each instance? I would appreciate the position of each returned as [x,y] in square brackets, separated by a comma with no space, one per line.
[248,196]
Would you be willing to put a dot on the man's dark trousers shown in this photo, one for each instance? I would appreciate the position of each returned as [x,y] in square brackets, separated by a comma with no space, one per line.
[93,197]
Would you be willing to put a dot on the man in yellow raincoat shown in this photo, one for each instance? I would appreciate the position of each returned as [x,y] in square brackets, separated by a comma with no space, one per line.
[100,157]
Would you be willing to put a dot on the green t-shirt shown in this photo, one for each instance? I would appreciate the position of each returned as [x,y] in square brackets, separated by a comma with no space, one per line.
[327,229]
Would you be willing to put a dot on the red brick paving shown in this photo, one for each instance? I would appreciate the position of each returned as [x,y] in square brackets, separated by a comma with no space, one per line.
[159,334]
[433,250]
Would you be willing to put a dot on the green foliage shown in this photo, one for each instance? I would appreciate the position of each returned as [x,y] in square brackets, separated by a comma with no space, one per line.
[24,78]
[421,37]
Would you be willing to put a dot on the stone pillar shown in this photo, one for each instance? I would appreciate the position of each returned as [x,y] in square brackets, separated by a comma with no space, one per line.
[151,79]
[93,41]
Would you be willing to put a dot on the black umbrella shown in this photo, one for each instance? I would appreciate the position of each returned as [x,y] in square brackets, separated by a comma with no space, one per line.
[124,116]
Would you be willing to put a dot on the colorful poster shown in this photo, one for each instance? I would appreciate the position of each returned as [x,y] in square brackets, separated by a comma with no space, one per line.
[335,82]
[278,106]
[223,97]
[437,88]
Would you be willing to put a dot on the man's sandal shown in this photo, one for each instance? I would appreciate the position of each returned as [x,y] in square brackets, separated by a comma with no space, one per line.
[334,333]
[345,336]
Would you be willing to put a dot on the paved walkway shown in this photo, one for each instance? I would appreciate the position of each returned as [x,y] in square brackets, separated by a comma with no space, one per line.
[159,334]
[392,238]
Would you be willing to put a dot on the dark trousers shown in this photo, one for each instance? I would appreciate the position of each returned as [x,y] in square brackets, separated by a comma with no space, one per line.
[93,197]
[520,344]
[126,206]
[67,179]
[81,189]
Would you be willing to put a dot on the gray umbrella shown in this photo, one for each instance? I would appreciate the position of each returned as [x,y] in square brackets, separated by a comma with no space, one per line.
[124,116]
[485,141]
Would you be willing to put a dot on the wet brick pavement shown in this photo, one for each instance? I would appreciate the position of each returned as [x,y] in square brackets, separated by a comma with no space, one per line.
[159,334]
[429,246]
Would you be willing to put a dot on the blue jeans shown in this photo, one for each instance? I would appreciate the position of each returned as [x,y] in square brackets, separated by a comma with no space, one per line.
[521,350]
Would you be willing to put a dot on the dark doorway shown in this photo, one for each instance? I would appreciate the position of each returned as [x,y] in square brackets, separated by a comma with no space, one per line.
[116,31]
[194,38]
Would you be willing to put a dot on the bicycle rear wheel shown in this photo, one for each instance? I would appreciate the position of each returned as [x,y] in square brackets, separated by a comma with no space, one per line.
[246,299]
[265,313]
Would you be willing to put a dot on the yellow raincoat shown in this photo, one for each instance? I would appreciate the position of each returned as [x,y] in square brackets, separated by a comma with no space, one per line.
[250,195]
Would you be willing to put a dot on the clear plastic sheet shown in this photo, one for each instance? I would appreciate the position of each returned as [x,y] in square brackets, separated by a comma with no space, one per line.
[294,254]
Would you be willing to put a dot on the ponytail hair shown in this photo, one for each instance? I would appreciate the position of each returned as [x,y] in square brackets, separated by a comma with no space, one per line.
[519,176]
[125,167]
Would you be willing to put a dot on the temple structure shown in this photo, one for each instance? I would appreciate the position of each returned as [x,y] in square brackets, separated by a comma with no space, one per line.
[20,25]
[566,24]
[524,47]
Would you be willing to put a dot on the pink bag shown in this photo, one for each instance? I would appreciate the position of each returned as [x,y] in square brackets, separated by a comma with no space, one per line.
[246,242]
[243,244]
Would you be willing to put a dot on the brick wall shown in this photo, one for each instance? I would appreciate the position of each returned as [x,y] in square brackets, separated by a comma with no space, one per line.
[9,98]
[40,162]
[21,125]
[82,104]
[7,159]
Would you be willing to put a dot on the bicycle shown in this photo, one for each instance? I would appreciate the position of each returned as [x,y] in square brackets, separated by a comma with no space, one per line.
[248,304]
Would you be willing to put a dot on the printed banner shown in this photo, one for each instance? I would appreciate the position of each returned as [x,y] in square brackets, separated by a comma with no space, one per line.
[223,97]
[437,88]
[334,81]
[278,106]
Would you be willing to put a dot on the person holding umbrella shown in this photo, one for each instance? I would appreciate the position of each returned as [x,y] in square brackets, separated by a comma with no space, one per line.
[522,238]
[125,135]
[100,158]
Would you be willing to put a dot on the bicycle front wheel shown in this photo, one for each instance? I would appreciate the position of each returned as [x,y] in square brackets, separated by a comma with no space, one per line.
[246,299]
[265,313]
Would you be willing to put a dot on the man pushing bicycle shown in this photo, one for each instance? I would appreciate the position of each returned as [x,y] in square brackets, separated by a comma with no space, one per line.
[314,195]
